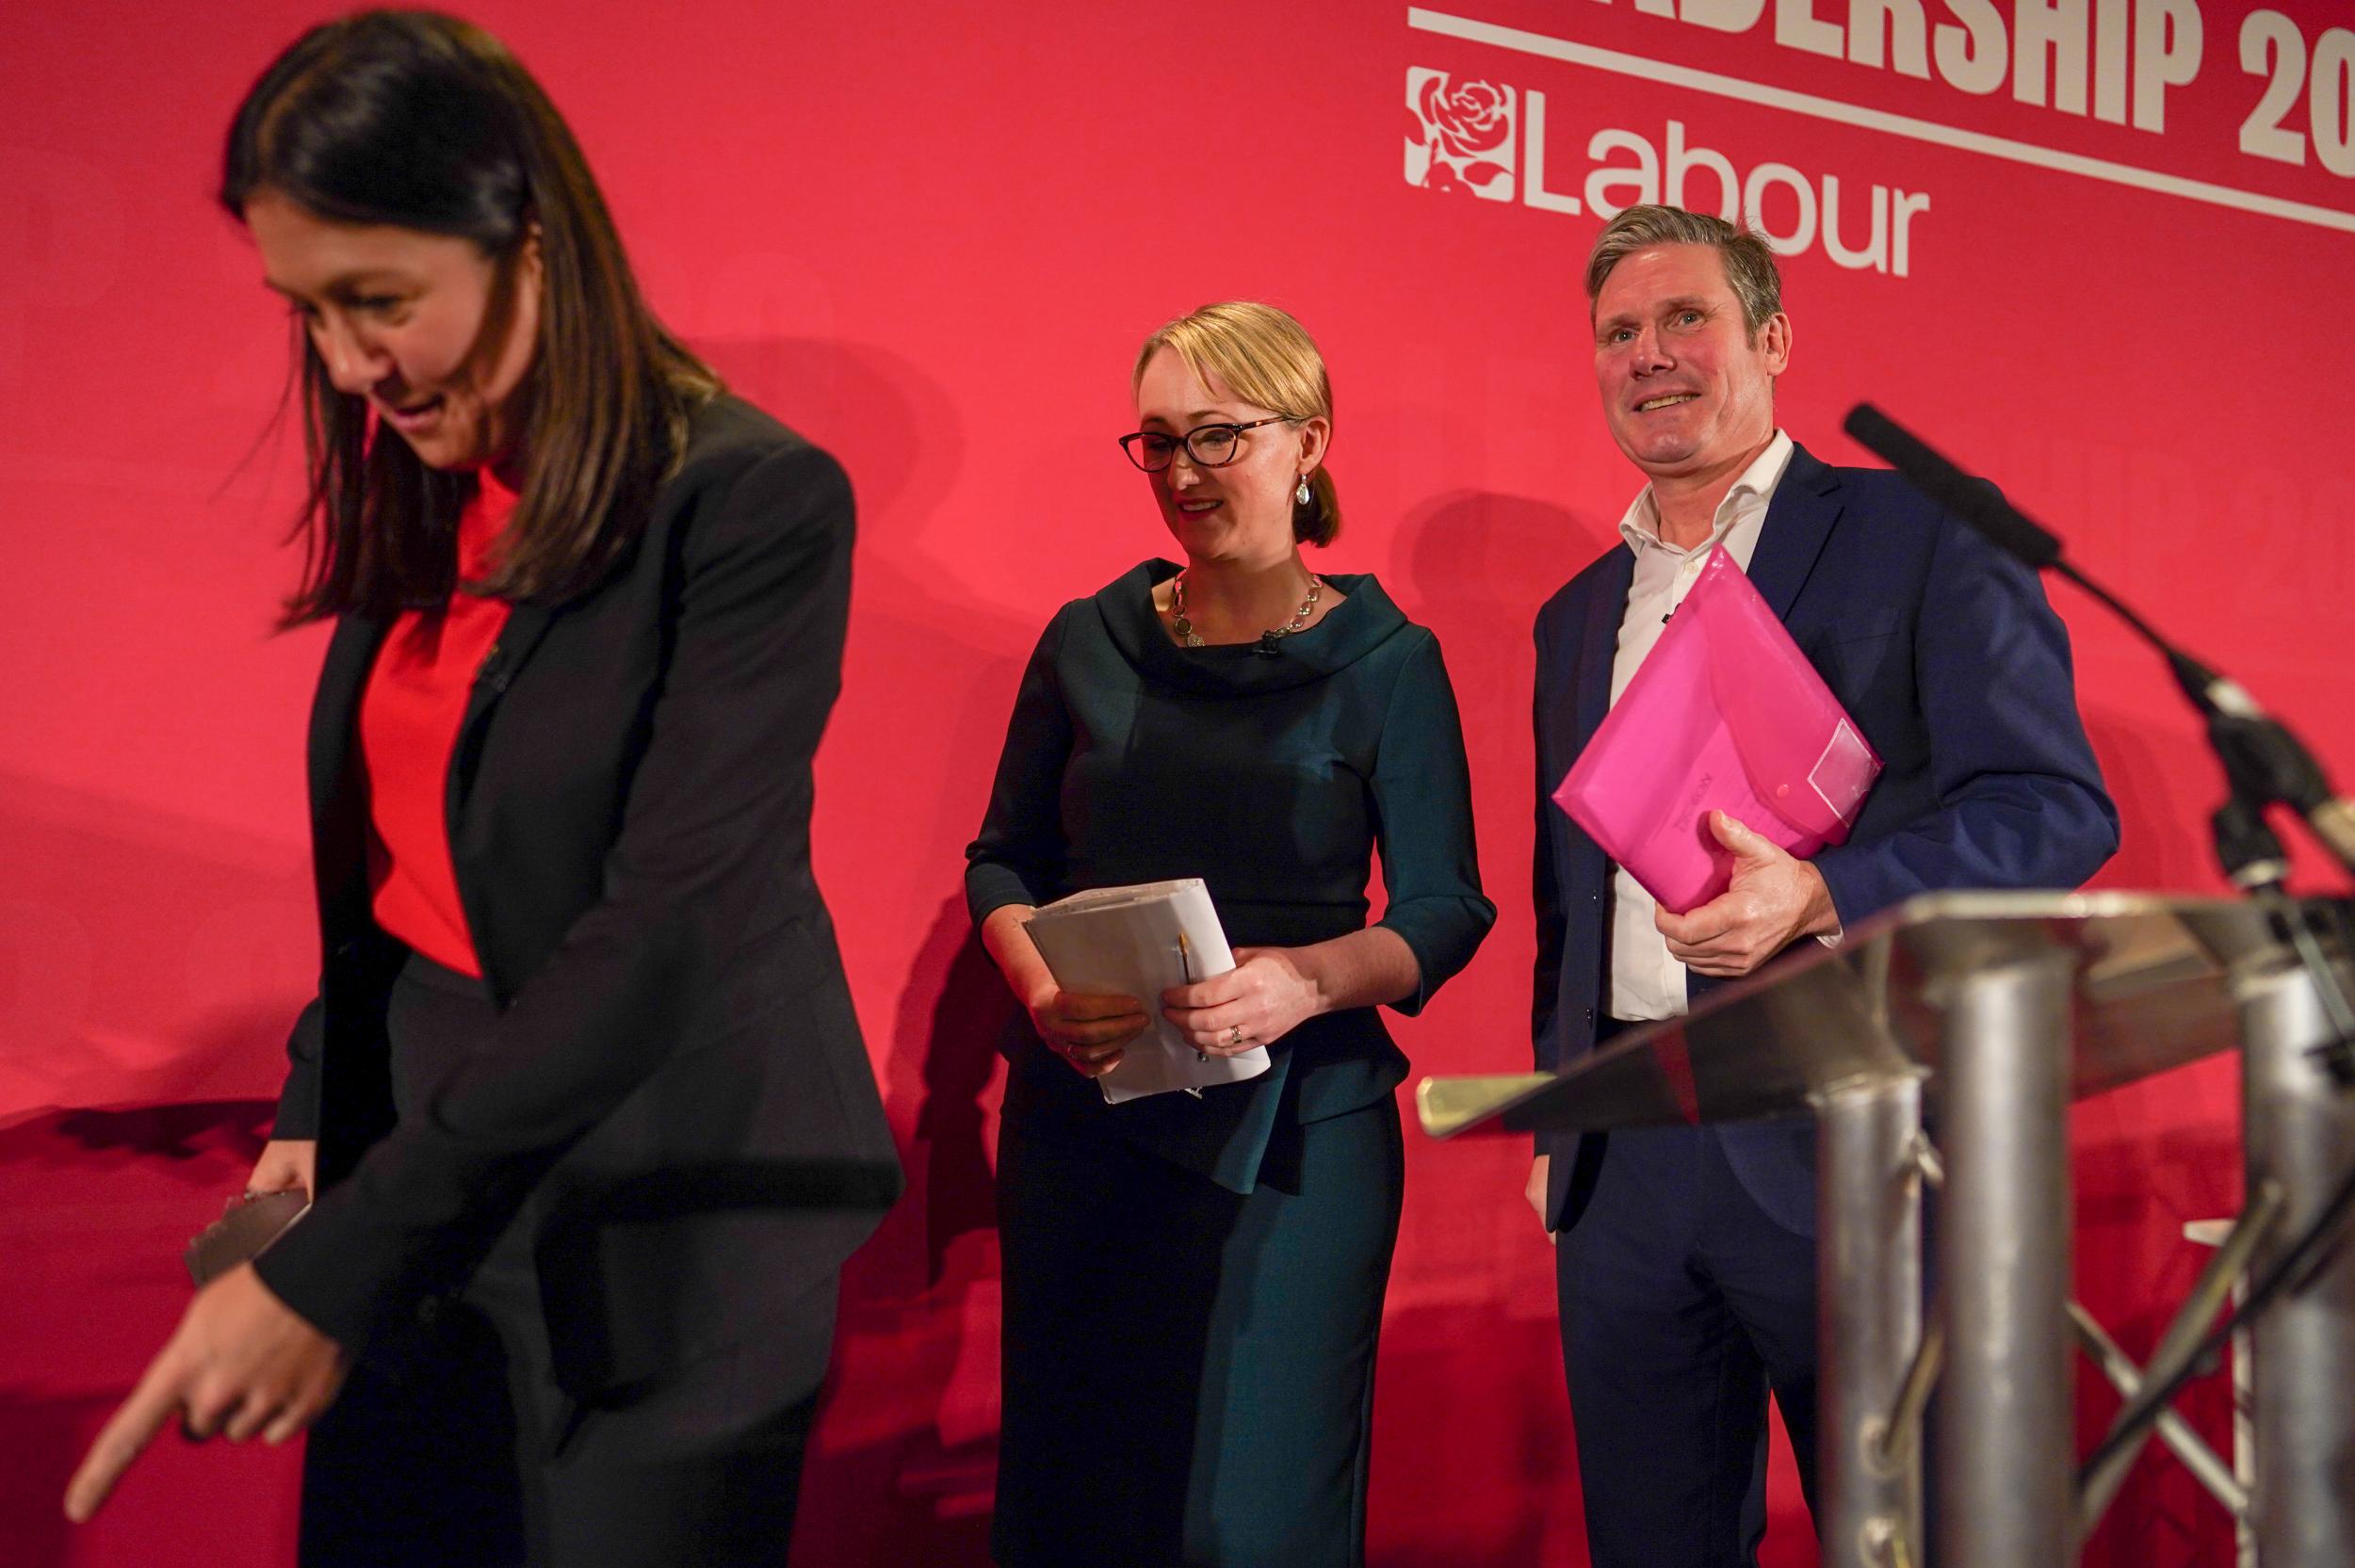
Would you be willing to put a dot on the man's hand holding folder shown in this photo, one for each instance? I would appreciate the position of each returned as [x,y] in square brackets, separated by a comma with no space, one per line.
[1724,767]
[1774,899]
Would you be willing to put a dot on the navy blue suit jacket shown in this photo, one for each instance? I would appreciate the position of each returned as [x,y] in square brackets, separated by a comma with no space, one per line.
[1945,655]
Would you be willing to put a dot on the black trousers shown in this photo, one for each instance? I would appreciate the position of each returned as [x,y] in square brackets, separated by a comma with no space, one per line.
[1189,1371]
[1683,1302]
[452,1447]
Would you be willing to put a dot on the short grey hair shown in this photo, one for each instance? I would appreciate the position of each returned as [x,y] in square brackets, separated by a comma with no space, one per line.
[1749,264]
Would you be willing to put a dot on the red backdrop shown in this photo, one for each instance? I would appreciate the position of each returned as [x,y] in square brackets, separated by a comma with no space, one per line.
[931,236]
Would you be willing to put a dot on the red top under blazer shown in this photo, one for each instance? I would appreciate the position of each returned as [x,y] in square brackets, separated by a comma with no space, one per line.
[409,723]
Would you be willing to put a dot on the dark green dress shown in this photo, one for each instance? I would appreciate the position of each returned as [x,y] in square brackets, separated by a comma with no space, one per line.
[1193,1287]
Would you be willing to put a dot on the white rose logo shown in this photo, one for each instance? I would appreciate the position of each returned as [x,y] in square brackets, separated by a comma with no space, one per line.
[1459,135]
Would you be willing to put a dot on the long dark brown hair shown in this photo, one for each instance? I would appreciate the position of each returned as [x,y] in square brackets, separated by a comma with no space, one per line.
[424,121]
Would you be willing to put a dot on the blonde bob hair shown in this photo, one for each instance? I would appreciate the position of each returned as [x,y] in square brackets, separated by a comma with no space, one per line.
[1262,356]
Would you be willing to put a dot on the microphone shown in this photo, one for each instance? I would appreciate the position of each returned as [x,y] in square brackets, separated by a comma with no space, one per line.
[2264,762]
[1975,501]
[1270,644]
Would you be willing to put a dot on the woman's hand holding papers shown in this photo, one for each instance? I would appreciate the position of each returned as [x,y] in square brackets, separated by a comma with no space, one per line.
[1089,1032]
[1259,1000]
[287,1165]
[1775,901]
[1273,990]
[1265,996]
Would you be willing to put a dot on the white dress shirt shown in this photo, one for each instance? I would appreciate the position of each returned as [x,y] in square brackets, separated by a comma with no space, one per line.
[1646,982]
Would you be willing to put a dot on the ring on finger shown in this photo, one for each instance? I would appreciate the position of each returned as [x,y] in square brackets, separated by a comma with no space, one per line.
[1234,1035]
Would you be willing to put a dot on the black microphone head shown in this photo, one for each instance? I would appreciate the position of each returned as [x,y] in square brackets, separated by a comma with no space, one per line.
[1974,500]
[1270,645]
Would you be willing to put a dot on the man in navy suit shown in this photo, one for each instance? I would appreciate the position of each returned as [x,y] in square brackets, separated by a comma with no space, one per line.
[1685,1257]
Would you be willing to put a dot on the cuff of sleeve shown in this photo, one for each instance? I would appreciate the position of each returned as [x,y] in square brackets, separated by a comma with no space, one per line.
[305,1269]
[986,894]
[1864,880]
[1442,934]
[1412,1003]
[353,1273]
[1846,883]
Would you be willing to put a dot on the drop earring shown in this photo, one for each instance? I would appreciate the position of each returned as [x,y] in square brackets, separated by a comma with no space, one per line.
[1300,497]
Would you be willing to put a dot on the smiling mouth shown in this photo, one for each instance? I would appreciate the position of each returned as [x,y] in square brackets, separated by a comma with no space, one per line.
[415,414]
[1651,404]
[1196,509]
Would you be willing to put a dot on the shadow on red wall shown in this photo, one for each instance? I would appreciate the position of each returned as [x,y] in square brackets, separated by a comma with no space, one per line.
[166,959]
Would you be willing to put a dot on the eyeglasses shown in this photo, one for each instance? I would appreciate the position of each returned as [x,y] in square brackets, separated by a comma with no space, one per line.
[1207,445]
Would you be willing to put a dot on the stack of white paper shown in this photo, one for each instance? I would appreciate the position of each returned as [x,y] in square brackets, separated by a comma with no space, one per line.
[1138,942]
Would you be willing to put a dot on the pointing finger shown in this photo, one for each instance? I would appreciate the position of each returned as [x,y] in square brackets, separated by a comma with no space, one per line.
[120,1442]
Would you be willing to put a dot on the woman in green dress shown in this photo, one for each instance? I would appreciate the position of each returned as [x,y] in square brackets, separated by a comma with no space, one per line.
[1194,1285]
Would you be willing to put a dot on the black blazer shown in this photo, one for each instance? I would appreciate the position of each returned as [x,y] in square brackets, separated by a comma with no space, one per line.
[676,1096]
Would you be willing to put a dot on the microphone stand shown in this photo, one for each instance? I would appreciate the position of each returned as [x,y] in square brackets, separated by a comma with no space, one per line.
[2265,764]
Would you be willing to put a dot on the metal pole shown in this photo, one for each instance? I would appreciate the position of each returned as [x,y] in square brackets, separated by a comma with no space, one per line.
[2176,1347]
[1868,1269]
[2173,1430]
[1903,1433]
[2301,1131]
[2006,1419]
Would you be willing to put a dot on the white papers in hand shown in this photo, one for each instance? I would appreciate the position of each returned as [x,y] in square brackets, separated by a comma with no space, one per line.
[1140,941]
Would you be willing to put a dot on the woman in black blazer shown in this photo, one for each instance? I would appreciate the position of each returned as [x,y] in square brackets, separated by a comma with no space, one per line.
[582,1099]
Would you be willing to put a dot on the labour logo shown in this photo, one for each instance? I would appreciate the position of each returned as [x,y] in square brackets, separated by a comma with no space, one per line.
[1459,135]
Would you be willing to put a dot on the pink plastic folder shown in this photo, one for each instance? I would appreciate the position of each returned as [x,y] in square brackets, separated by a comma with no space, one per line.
[1725,714]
